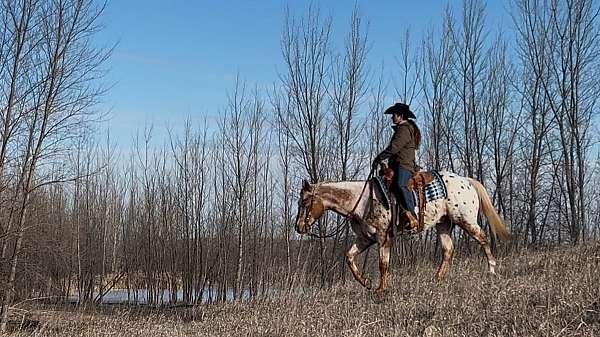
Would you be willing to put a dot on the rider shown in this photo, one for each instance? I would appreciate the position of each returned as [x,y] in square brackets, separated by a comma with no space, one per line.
[401,156]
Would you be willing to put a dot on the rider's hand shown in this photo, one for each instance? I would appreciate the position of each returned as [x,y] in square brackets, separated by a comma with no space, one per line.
[376,163]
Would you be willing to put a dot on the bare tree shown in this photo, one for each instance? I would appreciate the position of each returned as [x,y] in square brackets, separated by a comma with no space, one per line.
[533,50]
[564,38]
[18,42]
[470,66]
[190,175]
[410,71]
[64,92]
[280,106]
[436,87]
[348,89]
[243,132]
[306,51]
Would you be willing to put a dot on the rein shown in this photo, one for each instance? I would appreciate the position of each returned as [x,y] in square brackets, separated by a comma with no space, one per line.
[343,224]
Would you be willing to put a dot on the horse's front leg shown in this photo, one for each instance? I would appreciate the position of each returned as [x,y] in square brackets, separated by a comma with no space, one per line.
[444,231]
[385,244]
[359,246]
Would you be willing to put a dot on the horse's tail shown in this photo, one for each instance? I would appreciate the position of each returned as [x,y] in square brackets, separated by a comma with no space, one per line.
[496,223]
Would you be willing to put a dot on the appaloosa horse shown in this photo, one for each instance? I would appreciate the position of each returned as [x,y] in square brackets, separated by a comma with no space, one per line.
[364,206]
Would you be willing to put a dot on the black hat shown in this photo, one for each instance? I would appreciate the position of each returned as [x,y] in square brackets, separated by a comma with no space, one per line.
[400,109]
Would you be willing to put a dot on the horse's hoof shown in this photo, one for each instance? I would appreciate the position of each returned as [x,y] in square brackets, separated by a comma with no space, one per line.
[380,291]
[368,284]
[493,275]
[439,278]
[378,296]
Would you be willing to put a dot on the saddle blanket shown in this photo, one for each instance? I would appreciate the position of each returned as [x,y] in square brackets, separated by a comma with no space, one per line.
[384,191]
[434,190]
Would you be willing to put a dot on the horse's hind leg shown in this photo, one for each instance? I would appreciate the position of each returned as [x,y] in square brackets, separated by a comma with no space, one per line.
[444,231]
[359,246]
[475,231]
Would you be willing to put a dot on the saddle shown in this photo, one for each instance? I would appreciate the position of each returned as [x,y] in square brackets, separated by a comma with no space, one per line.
[418,184]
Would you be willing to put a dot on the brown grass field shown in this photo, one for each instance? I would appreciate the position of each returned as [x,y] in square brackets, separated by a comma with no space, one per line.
[553,292]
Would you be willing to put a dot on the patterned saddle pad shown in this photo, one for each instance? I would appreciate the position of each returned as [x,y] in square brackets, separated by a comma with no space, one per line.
[434,190]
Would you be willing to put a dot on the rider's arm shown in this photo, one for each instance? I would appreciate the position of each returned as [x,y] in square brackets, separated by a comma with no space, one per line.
[399,140]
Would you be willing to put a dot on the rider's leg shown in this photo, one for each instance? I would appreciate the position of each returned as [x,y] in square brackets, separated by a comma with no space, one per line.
[407,199]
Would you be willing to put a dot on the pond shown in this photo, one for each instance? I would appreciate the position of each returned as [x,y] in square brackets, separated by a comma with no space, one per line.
[121,296]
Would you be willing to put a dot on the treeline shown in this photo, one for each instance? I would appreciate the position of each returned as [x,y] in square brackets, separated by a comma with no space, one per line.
[210,214]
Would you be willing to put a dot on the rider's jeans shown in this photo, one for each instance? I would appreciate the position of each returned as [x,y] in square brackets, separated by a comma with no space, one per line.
[402,177]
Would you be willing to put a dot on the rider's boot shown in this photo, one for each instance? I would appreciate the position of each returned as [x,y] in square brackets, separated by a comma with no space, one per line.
[411,224]
[407,222]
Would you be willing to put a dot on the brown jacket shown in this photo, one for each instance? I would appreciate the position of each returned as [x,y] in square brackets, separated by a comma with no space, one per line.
[402,148]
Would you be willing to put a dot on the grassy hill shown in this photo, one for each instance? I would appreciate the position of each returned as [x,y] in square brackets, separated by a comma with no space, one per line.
[554,292]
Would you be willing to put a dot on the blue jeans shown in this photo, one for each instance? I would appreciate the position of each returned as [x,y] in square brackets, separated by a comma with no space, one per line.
[402,176]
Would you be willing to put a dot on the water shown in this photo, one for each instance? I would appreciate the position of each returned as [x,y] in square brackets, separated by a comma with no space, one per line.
[119,296]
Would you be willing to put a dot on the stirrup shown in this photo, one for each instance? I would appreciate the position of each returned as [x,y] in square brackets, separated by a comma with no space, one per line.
[409,224]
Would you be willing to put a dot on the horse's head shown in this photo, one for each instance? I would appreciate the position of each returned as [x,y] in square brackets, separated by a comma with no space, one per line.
[310,208]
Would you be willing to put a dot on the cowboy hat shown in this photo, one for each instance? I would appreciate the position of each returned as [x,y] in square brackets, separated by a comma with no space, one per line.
[400,109]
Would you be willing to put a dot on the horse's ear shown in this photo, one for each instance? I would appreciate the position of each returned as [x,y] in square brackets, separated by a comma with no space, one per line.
[306,185]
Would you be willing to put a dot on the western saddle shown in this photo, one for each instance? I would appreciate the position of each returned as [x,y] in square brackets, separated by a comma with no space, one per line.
[416,184]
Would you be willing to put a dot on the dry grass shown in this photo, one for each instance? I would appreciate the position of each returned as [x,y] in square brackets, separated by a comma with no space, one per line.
[538,293]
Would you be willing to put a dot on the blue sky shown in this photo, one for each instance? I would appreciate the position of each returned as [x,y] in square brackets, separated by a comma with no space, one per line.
[175,59]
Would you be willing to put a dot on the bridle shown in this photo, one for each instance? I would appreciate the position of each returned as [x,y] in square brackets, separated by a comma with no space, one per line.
[309,209]
[343,224]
